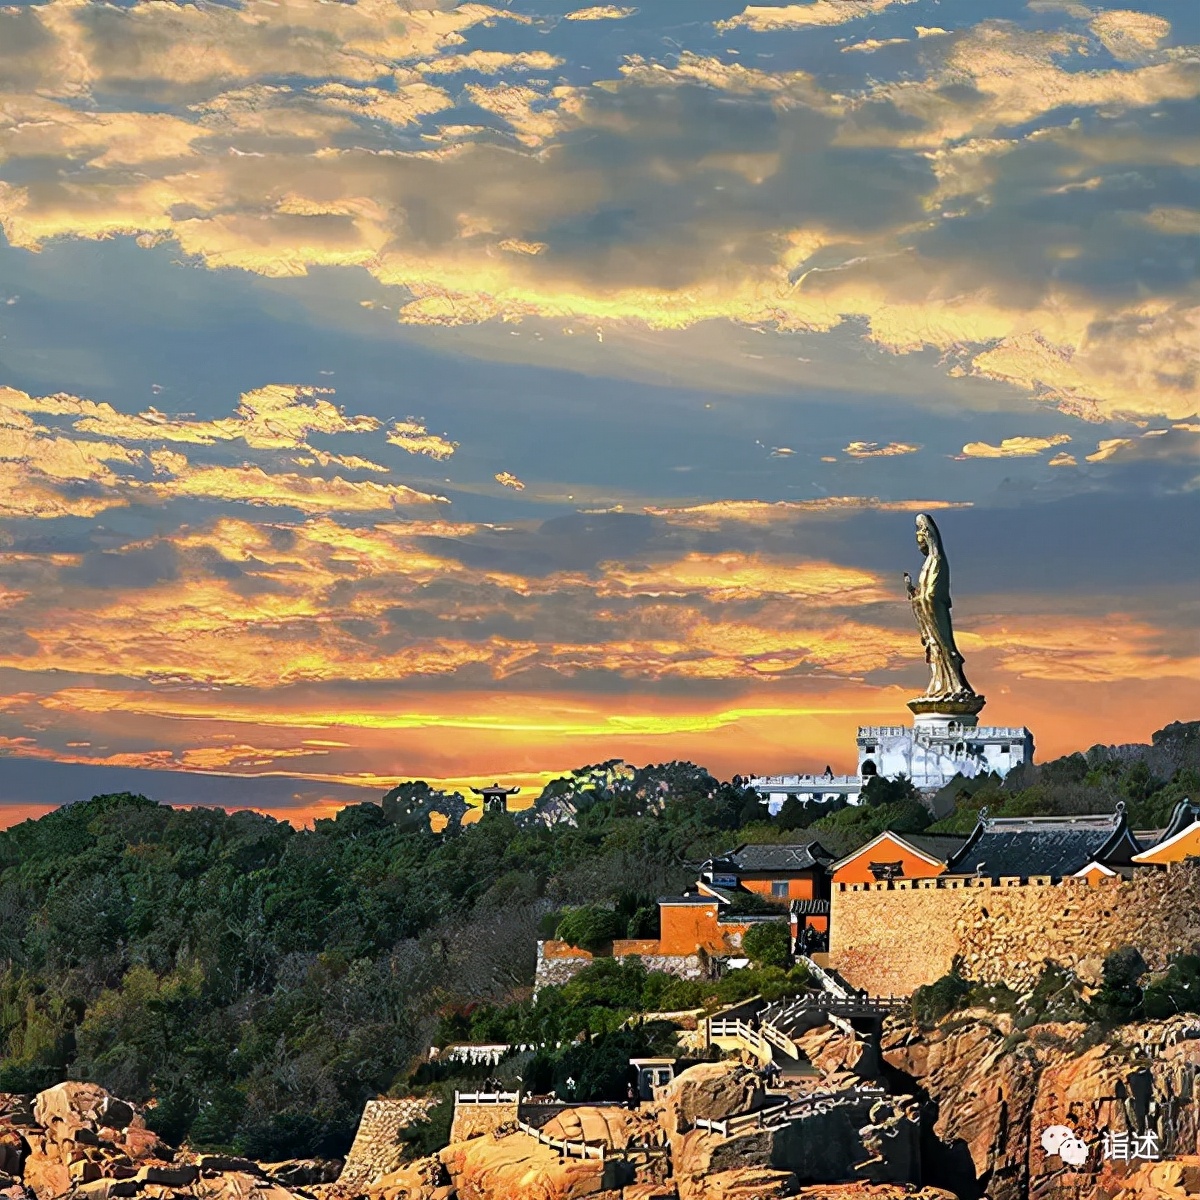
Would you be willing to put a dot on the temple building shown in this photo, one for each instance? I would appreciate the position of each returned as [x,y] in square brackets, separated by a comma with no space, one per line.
[1050,847]
[945,738]
[495,797]
[897,856]
[1180,839]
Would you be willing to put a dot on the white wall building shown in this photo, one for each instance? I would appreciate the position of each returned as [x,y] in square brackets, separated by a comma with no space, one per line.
[930,752]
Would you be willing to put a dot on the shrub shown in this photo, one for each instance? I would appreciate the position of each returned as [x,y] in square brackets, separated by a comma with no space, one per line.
[644,923]
[590,928]
[768,945]
[1177,990]
[1120,994]
[938,999]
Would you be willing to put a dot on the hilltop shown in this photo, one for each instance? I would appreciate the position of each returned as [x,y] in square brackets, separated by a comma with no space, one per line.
[255,984]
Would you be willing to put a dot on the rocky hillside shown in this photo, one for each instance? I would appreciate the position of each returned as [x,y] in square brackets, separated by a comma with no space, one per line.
[76,1140]
[990,1091]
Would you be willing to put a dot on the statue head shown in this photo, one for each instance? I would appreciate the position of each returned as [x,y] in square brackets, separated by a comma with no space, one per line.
[928,537]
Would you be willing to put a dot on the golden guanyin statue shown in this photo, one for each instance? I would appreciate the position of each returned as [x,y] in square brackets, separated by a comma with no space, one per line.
[948,690]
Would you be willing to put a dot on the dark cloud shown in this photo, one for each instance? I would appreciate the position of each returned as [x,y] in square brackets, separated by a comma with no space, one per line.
[140,567]
[23,780]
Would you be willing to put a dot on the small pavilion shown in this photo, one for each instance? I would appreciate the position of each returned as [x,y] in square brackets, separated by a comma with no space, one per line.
[495,797]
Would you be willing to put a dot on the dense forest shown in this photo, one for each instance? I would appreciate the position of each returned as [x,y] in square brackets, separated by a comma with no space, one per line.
[256,983]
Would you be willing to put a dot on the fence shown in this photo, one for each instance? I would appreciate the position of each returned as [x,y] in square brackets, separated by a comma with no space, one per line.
[739,1030]
[565,1147]
[487,1097]
[839,1006]
[777,1115]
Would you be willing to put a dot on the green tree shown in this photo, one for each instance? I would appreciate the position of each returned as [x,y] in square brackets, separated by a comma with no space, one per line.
[589,928]
[768,944]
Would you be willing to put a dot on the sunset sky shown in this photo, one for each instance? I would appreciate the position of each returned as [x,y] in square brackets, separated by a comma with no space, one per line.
[408,389]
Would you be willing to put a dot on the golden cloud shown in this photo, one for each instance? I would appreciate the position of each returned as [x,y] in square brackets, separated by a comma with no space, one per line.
[875,450]
[276,417]
[764,512]
[736,576]
[1179,444]
[1129,35]
[215,177]
[491,62]
[252,485]
[1015,447]
[601,12]
[411,435]
[763,19]
[509,480]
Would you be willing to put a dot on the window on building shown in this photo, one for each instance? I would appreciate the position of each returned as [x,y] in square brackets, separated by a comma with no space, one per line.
[779,889]
[1004,749]
[871,748]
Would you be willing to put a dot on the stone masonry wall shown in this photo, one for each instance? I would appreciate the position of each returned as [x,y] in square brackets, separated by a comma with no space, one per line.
[893,940]
[377,1148]
[477,1120]
[556,965]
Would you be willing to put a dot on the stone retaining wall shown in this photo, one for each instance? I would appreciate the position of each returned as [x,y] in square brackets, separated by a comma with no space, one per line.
[377,1147]
[558,963]
[894,939]
[477,1120]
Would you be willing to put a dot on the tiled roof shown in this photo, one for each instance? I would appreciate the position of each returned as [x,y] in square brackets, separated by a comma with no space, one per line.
[795,856]
[1055,846]
[941,846]
[1184,815]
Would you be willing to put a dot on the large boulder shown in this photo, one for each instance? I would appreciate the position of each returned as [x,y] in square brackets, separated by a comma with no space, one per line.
[516,1166]
[710,1090]
[62,1109]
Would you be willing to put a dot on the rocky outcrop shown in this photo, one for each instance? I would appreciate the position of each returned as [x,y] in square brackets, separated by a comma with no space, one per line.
[991,1090]
[710,1090]
[518,1167]
[77,1140]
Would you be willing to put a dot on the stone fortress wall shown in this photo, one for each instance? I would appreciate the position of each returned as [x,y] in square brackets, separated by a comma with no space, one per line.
[377,1148]
[478,1120]
[891,939]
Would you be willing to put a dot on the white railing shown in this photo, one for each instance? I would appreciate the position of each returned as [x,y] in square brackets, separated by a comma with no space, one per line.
[780,1039]
[741,1032]
[790,1110]
[565,1146]
[487,1097]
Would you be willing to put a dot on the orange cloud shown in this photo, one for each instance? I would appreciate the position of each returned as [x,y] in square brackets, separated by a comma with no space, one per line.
[875,450]
[1015,447]
[766,512]
[763,19]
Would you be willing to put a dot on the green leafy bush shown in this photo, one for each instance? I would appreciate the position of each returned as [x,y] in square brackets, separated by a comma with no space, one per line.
[590,928]
[768,944]
[938,999]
